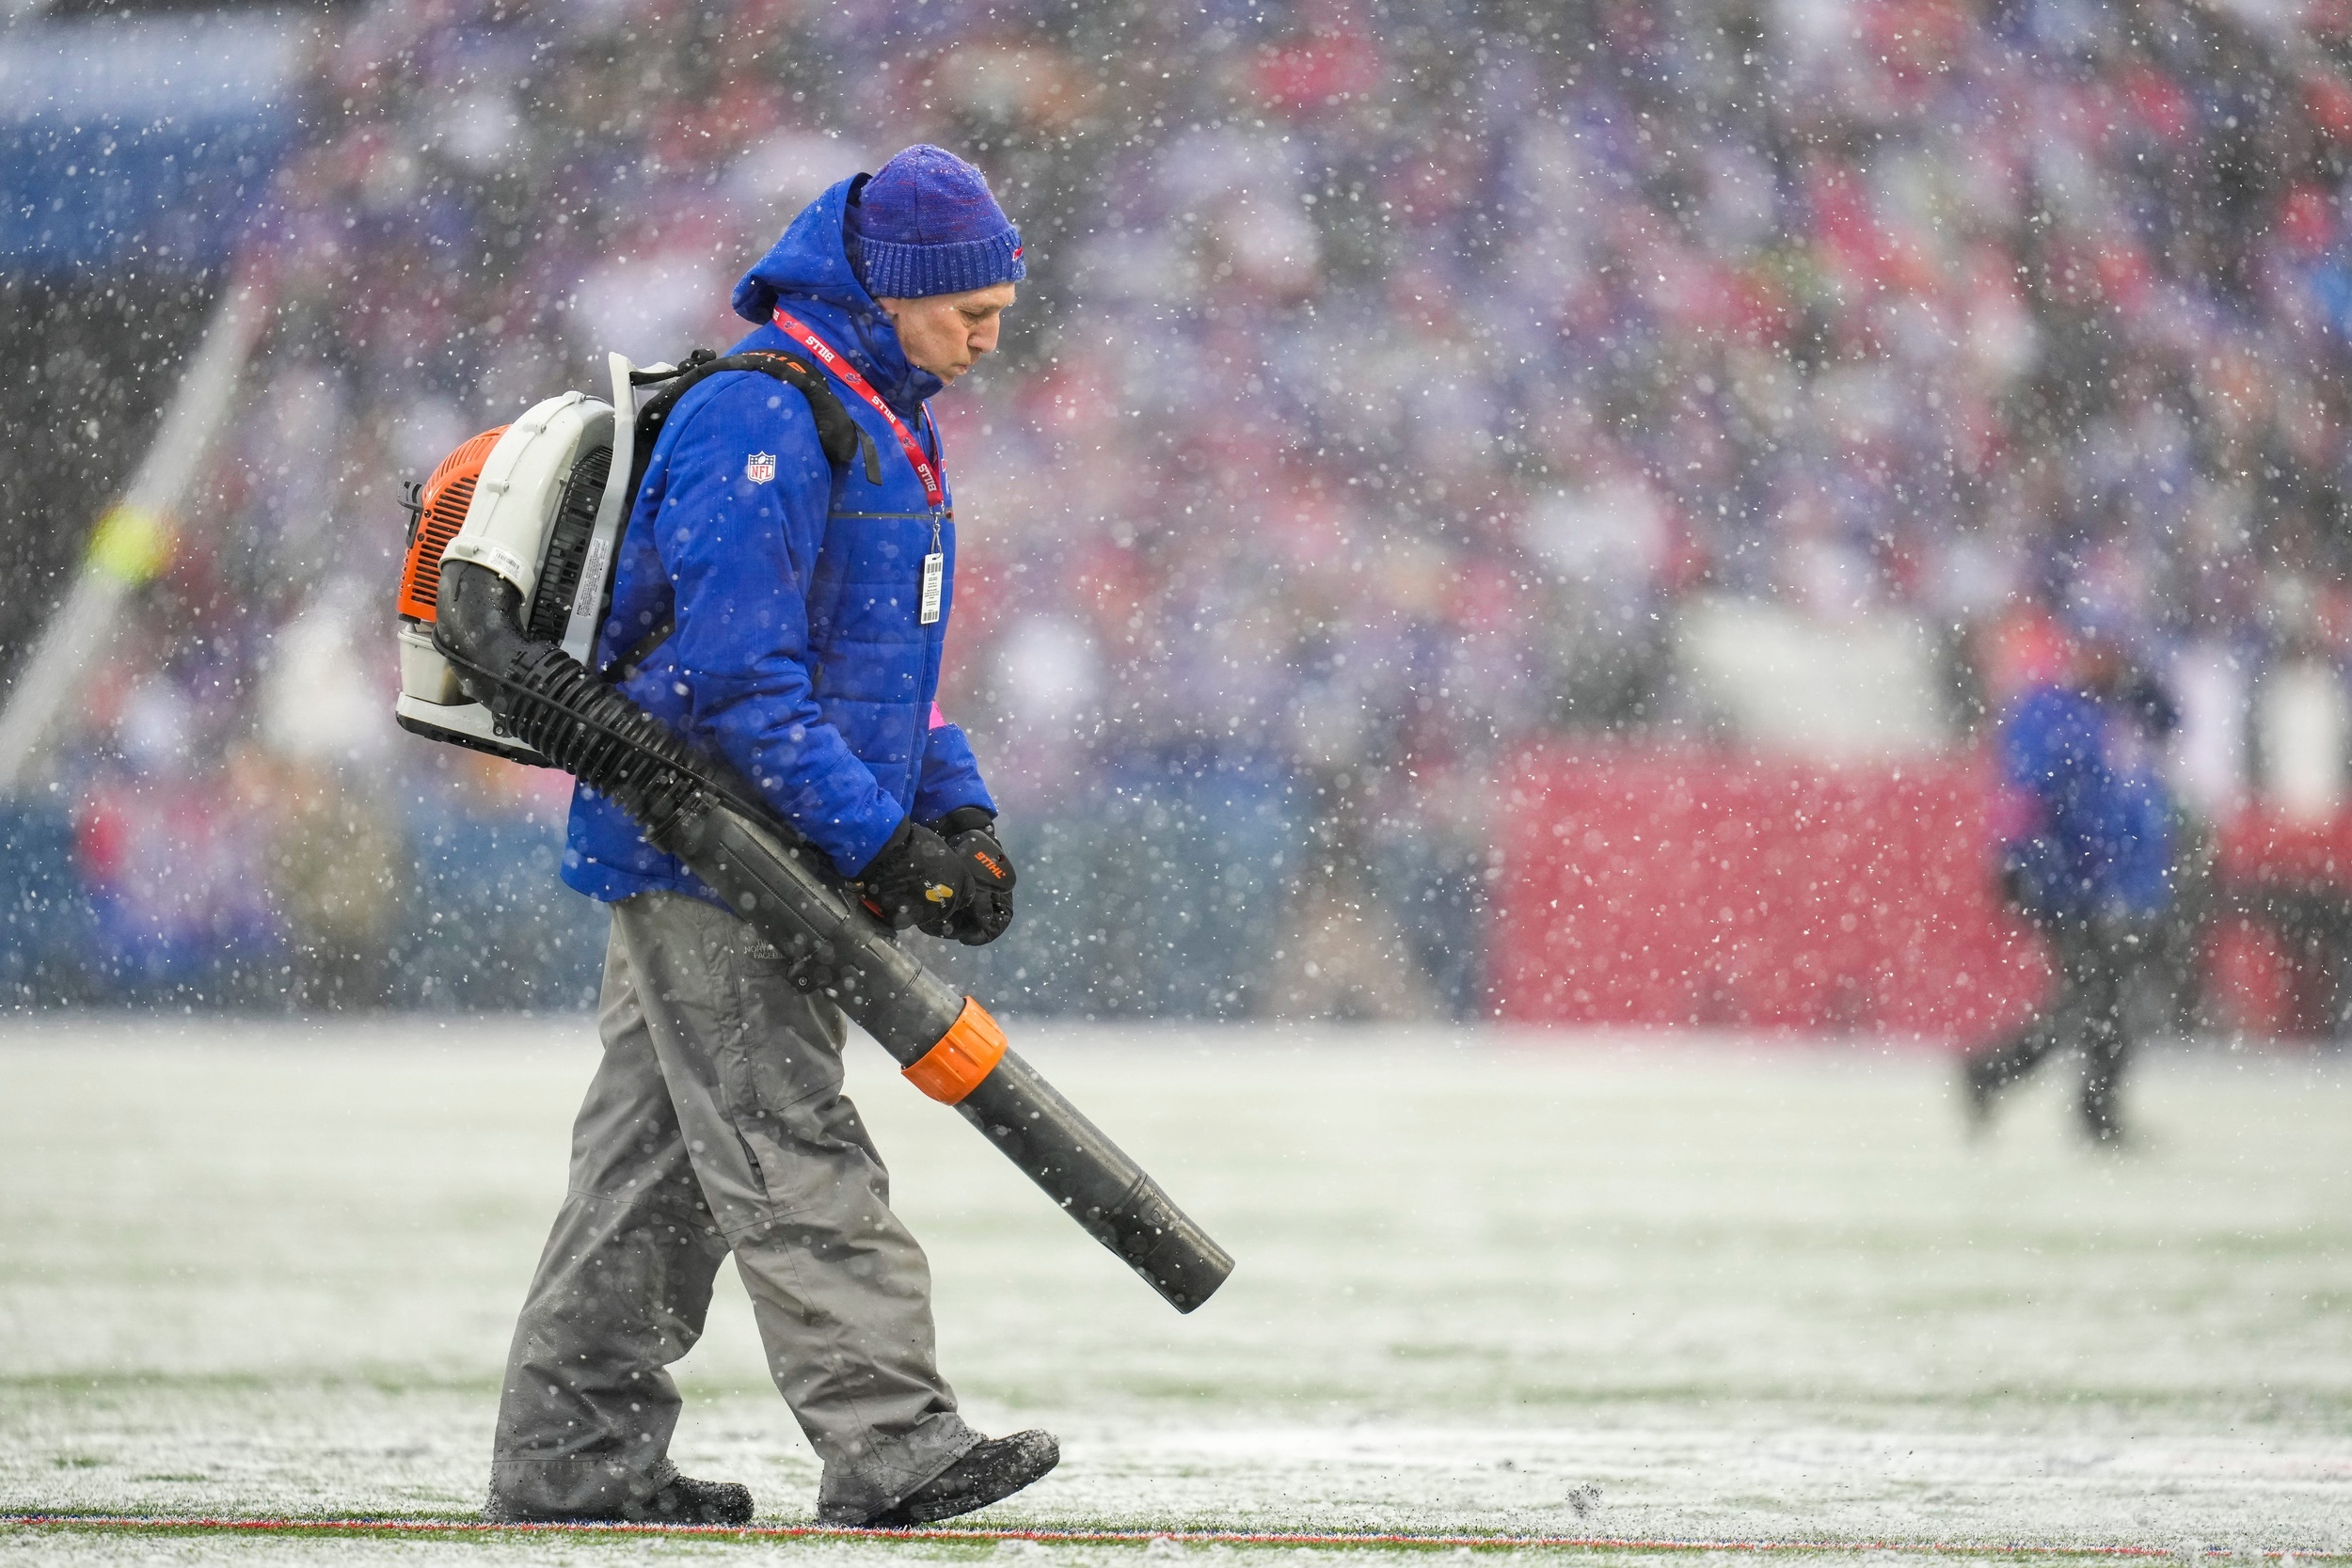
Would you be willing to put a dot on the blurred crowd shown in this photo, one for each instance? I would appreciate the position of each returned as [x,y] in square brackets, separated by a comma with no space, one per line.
[1393,374]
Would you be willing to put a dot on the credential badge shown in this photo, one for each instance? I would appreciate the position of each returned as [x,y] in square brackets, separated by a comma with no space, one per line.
[760,467]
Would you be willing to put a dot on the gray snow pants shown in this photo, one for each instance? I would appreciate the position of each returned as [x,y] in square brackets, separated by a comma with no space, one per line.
[715,1124]
[2097,960]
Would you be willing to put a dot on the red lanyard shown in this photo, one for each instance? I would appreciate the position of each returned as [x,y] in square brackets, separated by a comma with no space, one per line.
[932,490]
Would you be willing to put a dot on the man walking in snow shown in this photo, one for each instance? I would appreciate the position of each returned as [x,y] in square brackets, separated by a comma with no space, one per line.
[787,615]
[2087,859]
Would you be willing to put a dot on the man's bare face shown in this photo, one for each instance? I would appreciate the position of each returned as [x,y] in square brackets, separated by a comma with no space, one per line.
[944,333]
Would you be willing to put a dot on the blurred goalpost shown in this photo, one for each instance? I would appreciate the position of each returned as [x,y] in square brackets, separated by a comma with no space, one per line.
[132,542]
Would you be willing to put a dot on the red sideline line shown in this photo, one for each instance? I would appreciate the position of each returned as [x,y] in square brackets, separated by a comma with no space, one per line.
[1098,1537]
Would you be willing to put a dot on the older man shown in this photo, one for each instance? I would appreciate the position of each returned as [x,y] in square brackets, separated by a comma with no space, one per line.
[788,616]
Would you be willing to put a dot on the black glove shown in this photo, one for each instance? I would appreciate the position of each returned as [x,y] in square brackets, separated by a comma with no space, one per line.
[939,887]
[971,831]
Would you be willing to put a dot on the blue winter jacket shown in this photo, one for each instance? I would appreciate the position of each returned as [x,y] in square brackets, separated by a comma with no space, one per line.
[794,587]
[2102,838]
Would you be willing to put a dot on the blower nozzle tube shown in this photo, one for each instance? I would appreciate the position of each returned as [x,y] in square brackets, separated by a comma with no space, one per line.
[786,890]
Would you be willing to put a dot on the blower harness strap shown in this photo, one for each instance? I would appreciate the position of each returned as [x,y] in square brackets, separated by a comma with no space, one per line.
[582,544]
[841,437]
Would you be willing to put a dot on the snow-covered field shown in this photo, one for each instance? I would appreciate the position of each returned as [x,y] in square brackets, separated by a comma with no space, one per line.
[1486,1284]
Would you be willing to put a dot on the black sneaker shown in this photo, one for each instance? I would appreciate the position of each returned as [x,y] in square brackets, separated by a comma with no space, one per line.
[989,1472]
[682,1501]
[688,1501]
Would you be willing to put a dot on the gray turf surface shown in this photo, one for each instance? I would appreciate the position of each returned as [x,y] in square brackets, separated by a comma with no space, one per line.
[1740,1295]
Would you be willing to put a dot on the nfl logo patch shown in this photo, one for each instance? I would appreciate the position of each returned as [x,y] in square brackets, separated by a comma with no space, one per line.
[760,467]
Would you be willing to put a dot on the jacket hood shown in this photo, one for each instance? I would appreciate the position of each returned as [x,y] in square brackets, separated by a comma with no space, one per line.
[810,265]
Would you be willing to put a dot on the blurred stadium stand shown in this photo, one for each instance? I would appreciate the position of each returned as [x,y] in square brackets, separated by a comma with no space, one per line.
[1756,894]
[1401,388]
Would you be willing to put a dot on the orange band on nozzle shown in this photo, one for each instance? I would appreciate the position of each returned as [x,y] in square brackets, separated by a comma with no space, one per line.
[967,1052]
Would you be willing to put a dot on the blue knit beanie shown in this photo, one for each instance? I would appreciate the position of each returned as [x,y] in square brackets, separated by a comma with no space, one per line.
[926,224]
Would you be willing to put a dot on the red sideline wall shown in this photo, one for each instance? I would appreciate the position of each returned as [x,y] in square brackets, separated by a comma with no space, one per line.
[1694,887]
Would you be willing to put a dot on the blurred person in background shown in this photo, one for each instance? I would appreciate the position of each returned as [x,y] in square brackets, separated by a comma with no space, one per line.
[2086,856]
[788,616]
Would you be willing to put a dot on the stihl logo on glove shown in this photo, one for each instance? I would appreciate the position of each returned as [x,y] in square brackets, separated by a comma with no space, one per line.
[959,887]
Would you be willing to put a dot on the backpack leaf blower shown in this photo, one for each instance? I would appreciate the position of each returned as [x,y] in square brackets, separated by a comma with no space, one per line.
[513,543]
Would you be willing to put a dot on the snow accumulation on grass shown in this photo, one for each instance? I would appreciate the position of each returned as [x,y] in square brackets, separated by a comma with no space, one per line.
[1488,1284]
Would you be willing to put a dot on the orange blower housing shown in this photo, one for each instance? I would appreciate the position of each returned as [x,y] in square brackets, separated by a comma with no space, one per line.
[440,513]
[525,495]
